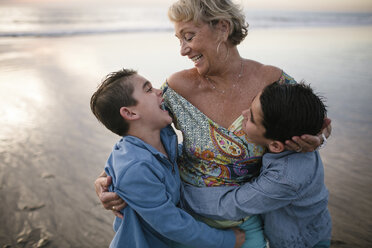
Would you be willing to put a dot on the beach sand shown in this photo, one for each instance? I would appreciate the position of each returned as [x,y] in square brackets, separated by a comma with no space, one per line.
[52,148]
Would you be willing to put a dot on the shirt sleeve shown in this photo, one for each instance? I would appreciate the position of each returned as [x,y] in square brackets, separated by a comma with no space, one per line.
[268,192]
[143,189]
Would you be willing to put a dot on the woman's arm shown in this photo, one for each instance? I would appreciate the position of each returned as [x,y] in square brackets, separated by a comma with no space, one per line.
[109,200]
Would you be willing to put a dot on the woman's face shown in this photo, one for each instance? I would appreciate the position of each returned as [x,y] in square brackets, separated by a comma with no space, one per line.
[199,43]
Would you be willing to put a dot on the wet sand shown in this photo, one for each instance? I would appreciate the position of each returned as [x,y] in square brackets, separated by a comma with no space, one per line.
[52,148]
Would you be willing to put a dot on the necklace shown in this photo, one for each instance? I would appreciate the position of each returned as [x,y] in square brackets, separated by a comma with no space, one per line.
[233,85]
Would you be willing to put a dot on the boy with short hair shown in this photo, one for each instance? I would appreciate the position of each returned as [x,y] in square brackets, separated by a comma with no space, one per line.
[289,192]
[144,170]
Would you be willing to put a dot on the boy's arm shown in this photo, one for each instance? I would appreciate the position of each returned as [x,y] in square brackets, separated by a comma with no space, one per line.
[268,192]
[142,188]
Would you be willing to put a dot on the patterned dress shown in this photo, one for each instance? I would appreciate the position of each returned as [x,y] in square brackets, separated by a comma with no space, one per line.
[213,155]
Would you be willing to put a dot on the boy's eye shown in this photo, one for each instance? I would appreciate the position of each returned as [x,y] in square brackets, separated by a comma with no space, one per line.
[251,116]
[248,114]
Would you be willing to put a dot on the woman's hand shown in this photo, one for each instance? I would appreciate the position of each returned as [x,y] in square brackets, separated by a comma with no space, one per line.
[109,200]
[309,143]
[239,237]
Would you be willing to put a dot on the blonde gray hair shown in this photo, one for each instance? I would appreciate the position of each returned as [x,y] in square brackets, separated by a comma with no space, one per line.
[211,12]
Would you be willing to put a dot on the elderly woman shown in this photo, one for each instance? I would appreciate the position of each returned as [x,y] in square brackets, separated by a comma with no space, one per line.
[206,103]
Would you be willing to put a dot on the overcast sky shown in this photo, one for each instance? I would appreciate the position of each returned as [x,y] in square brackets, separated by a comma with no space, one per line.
[318,5]
[326,5]
[338,5]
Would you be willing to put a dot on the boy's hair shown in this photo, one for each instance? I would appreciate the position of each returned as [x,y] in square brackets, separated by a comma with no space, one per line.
[291,110]
[113,93]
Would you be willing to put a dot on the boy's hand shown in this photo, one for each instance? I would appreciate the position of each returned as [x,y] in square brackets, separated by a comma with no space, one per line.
[239,236]
[109,200]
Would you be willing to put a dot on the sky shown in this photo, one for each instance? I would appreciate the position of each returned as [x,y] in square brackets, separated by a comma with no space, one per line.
[320,5]
[313,5]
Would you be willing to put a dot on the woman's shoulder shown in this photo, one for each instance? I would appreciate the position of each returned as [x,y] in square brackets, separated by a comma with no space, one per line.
[266,73]
[183,81]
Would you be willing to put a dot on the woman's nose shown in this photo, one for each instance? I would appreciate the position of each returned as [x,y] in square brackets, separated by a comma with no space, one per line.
[184,48]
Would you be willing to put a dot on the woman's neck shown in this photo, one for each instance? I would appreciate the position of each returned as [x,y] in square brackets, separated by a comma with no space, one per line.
[228,75]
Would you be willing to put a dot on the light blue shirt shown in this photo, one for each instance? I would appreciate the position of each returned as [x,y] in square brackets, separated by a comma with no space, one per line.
[149,182]
[289,193]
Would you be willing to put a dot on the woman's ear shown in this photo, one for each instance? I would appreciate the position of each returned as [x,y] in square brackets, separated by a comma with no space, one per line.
[276,146]
[224,27]
[128,114]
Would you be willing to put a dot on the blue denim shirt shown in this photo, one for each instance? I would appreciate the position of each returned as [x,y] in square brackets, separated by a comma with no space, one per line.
[149,182]
[289,193]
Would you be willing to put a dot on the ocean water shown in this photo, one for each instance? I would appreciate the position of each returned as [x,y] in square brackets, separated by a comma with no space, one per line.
[66,20]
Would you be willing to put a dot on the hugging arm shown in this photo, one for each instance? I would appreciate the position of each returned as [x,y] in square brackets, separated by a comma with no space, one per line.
[109,200]
[261,195]
[147,195]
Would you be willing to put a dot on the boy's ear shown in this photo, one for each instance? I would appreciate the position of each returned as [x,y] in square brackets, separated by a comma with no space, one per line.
[128,114]
[276,146]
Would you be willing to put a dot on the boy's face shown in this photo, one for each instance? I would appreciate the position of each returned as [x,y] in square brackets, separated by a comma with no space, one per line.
[252,123]
[149,103]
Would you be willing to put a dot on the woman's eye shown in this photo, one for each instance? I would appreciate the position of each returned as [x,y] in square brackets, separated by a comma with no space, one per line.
[149,89]
[188,37]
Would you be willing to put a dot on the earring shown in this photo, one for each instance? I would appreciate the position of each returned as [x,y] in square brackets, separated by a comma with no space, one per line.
[218,46]
[227,53]
[227,50]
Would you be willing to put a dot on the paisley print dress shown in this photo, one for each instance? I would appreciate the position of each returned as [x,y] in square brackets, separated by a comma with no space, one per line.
[213,155]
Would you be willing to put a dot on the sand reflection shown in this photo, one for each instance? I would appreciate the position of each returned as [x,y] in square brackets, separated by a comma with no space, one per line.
[21,95]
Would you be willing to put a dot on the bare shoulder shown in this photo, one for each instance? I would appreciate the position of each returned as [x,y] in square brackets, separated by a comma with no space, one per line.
[269,73]
[183,81]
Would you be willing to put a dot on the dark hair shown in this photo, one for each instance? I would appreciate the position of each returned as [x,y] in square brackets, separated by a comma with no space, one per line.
[113,93]
[291,110]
